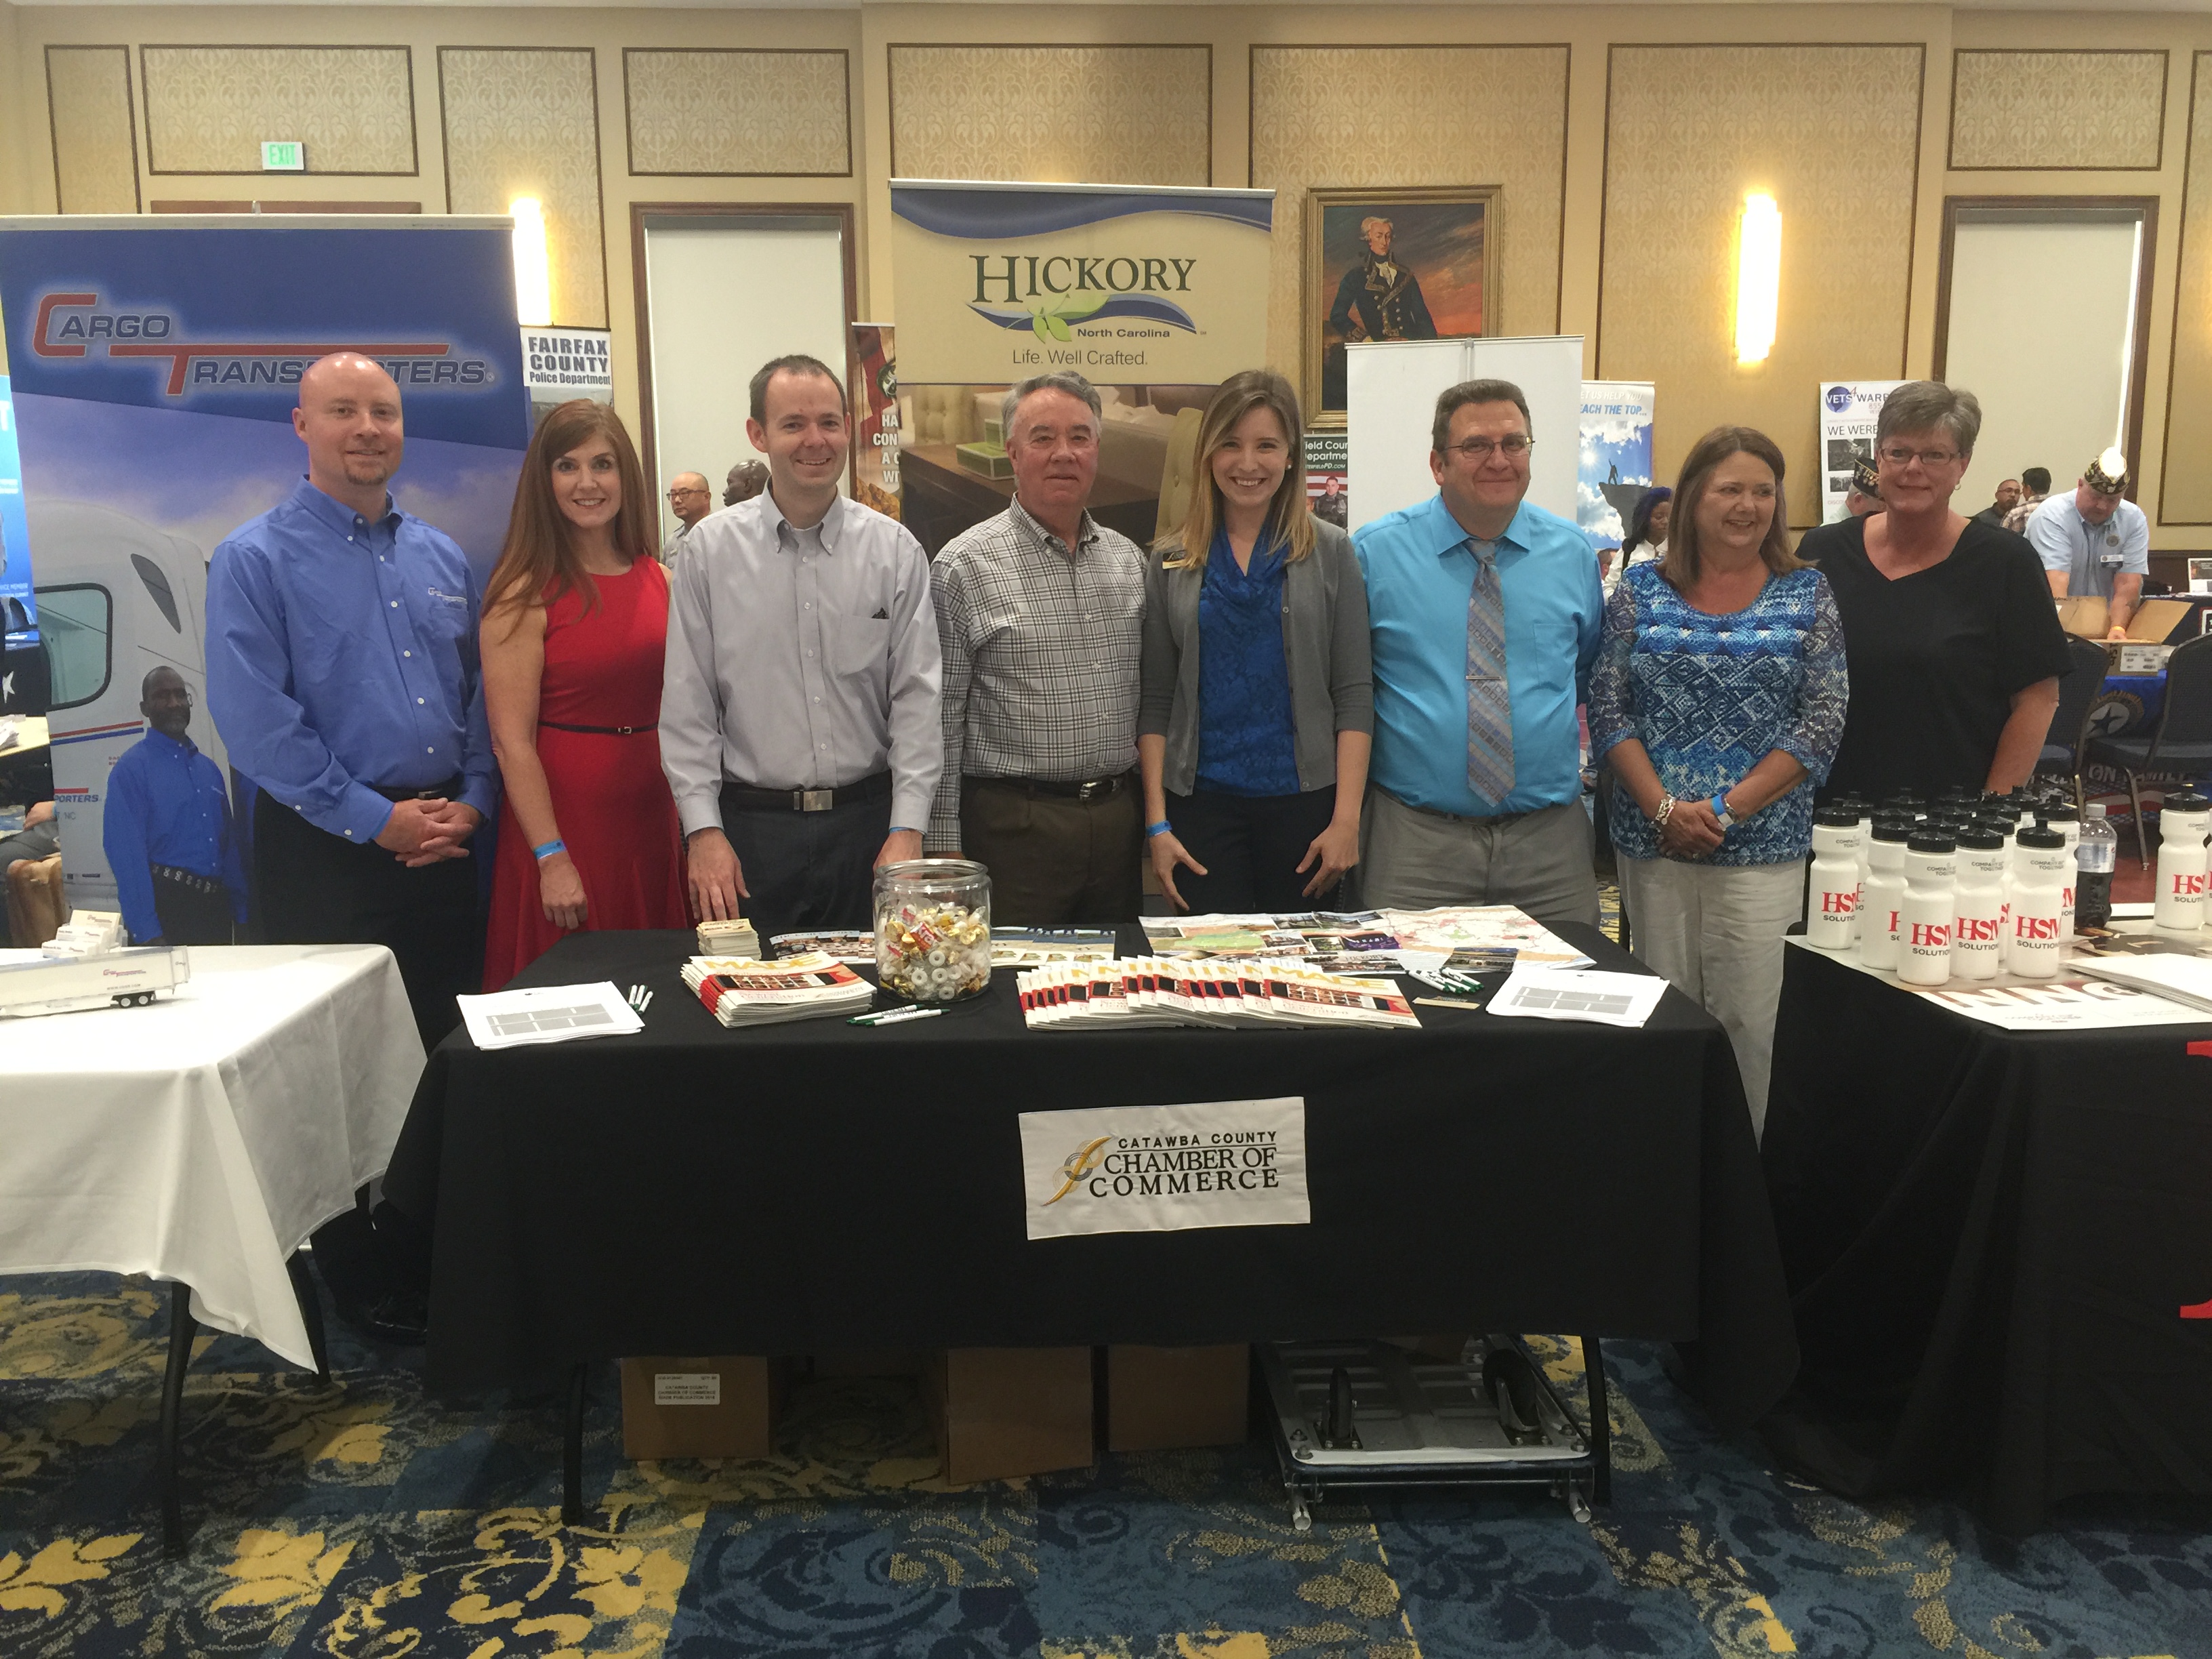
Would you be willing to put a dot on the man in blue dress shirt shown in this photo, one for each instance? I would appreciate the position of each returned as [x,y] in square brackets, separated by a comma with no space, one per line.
[1486,613]
[168,829]
[343,674]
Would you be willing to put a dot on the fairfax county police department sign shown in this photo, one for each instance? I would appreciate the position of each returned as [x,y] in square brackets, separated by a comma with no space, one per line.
[1159,1168]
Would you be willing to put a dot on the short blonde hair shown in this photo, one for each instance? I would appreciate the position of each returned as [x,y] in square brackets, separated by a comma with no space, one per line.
[1373,220]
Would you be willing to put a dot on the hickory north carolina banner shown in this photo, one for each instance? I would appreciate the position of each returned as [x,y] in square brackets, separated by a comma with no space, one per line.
[1128,286]
[155,365]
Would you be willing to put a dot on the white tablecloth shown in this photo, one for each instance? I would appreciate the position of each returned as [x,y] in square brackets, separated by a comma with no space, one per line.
[203,1139]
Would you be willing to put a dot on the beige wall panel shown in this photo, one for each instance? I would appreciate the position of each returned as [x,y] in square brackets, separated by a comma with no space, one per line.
[1091,115]
[524,122]
[1356,116]
[2030,110]
[732,114]
[1834,133]
[2185,486]
[96,153]
[208,108]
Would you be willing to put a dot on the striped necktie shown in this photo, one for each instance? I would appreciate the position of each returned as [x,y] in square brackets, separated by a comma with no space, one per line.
[1489,707]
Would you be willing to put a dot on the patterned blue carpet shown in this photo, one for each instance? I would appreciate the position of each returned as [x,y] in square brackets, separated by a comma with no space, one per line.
[360,1519]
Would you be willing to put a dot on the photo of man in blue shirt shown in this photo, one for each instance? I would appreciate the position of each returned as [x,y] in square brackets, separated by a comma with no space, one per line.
[167,830]
[343,674]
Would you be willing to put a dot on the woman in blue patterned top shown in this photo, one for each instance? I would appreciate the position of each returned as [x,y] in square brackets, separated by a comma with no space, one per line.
[1717,702]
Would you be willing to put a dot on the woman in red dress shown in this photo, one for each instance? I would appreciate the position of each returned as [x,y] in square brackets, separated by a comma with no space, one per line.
[575,624]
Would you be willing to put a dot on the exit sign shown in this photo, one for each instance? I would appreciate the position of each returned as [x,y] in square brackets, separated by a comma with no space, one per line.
[283,156]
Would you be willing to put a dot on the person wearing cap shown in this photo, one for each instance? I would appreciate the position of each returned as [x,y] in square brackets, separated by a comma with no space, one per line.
[1864,494]
[2095,542]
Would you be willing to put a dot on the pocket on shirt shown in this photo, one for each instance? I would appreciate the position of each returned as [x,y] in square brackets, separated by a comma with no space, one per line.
[864,646]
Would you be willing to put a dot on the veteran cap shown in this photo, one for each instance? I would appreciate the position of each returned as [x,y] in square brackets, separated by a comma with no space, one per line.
[2108,473]
[1866,477]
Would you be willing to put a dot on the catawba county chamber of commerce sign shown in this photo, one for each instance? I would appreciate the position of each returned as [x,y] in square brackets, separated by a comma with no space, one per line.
[1159,1168]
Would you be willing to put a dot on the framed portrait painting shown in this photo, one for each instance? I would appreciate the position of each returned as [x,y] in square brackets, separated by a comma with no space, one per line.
[1394,264]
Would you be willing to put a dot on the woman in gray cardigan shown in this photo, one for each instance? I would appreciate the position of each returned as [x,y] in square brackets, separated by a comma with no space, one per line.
[1258,708]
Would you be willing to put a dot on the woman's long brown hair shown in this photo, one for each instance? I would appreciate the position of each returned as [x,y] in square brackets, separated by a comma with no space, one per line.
[1290,518]
[538,563]
[1682,564]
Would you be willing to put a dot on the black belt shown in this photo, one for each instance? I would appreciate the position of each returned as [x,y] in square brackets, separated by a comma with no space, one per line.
[737,797]
[601,731]
[1084,789]
[186,878]
[445,791]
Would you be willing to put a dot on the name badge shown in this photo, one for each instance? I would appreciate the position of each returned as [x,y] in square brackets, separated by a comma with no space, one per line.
[2110,558]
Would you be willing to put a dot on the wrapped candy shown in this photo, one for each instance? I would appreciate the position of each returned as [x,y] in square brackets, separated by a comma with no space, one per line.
[934,928]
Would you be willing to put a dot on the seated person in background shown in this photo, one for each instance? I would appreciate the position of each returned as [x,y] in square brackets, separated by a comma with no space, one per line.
[39,839]
[180,872]
[2095,542]
[2008,498]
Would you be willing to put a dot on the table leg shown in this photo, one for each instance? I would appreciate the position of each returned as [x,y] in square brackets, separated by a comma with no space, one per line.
[1601,1419]
[310,1311]
[182,1327]
[572,1453]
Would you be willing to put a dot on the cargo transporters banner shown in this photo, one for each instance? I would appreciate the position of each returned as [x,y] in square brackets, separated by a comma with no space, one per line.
[156,367]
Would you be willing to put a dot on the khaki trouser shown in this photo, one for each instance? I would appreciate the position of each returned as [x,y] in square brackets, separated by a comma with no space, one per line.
[1414,861]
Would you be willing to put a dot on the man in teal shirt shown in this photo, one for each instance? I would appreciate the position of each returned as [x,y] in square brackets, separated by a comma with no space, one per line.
[1486,613]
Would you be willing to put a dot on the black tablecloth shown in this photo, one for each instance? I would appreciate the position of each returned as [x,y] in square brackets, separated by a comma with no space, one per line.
[818,1186]
[1989,1237]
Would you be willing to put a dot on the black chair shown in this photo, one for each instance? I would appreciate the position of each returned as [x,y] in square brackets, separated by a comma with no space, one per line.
[2183,742]
[2070,722]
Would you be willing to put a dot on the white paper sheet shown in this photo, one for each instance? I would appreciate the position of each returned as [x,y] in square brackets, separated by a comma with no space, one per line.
[1596,997]
[548,1014]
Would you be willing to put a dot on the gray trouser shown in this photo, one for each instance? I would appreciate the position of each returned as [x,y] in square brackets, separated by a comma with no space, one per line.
[1414,861]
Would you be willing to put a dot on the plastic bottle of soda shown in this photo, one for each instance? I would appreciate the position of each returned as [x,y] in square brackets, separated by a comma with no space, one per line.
[2094,856]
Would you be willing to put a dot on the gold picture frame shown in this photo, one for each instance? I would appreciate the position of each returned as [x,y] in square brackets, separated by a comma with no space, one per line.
[1435,278]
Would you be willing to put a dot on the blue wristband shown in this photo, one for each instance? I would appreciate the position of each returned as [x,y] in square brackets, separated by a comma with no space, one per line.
[1159,829]
[1719,803]
[546,850]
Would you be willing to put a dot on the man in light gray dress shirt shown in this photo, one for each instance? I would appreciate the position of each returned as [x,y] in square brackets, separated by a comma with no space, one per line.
[688,500]
[798,712]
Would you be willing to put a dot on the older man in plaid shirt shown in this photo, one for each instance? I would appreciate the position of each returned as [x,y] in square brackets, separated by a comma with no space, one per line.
[1039,613]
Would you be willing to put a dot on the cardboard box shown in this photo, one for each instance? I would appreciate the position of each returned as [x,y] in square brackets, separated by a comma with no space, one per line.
[724,1406]
[2154,621]
[1007,1411]
[1161,1398]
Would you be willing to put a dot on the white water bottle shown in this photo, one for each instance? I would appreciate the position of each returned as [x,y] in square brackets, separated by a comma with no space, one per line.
[1929,908]
[1865,836]
[1834,895]
[2067,821]
[2181,863]
[2038,898]
[1977,935]
[1884,892]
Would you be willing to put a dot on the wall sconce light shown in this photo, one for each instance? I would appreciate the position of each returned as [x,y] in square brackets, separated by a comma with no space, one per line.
[1758,277]
[533,272]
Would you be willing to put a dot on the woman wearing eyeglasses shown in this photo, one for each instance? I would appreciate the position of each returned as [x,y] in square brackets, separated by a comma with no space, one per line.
[1257,706]
[1716,702]
[1955,649]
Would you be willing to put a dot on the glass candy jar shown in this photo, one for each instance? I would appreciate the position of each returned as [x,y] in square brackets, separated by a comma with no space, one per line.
[934,928]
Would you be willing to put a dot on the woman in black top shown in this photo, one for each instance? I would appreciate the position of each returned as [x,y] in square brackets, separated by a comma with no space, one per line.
[1954,647]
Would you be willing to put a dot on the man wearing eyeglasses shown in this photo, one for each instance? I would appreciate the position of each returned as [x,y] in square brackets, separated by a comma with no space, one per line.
[1486,612]
[690,501]
[2095,541]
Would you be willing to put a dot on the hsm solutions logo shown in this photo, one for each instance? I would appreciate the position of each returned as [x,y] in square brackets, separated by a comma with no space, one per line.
[1144,1169]
[75,325]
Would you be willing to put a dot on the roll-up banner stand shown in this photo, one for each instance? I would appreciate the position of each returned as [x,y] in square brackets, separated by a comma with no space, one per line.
[1849,411]
[1148,292]
[155,365]
[874,418]
[1615,463]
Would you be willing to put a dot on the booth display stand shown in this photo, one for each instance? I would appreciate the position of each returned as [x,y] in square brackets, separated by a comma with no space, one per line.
[1366,1415]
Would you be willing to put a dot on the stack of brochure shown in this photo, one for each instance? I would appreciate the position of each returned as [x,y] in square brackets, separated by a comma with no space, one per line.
[1123,993]
[734,937]
[809,987]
